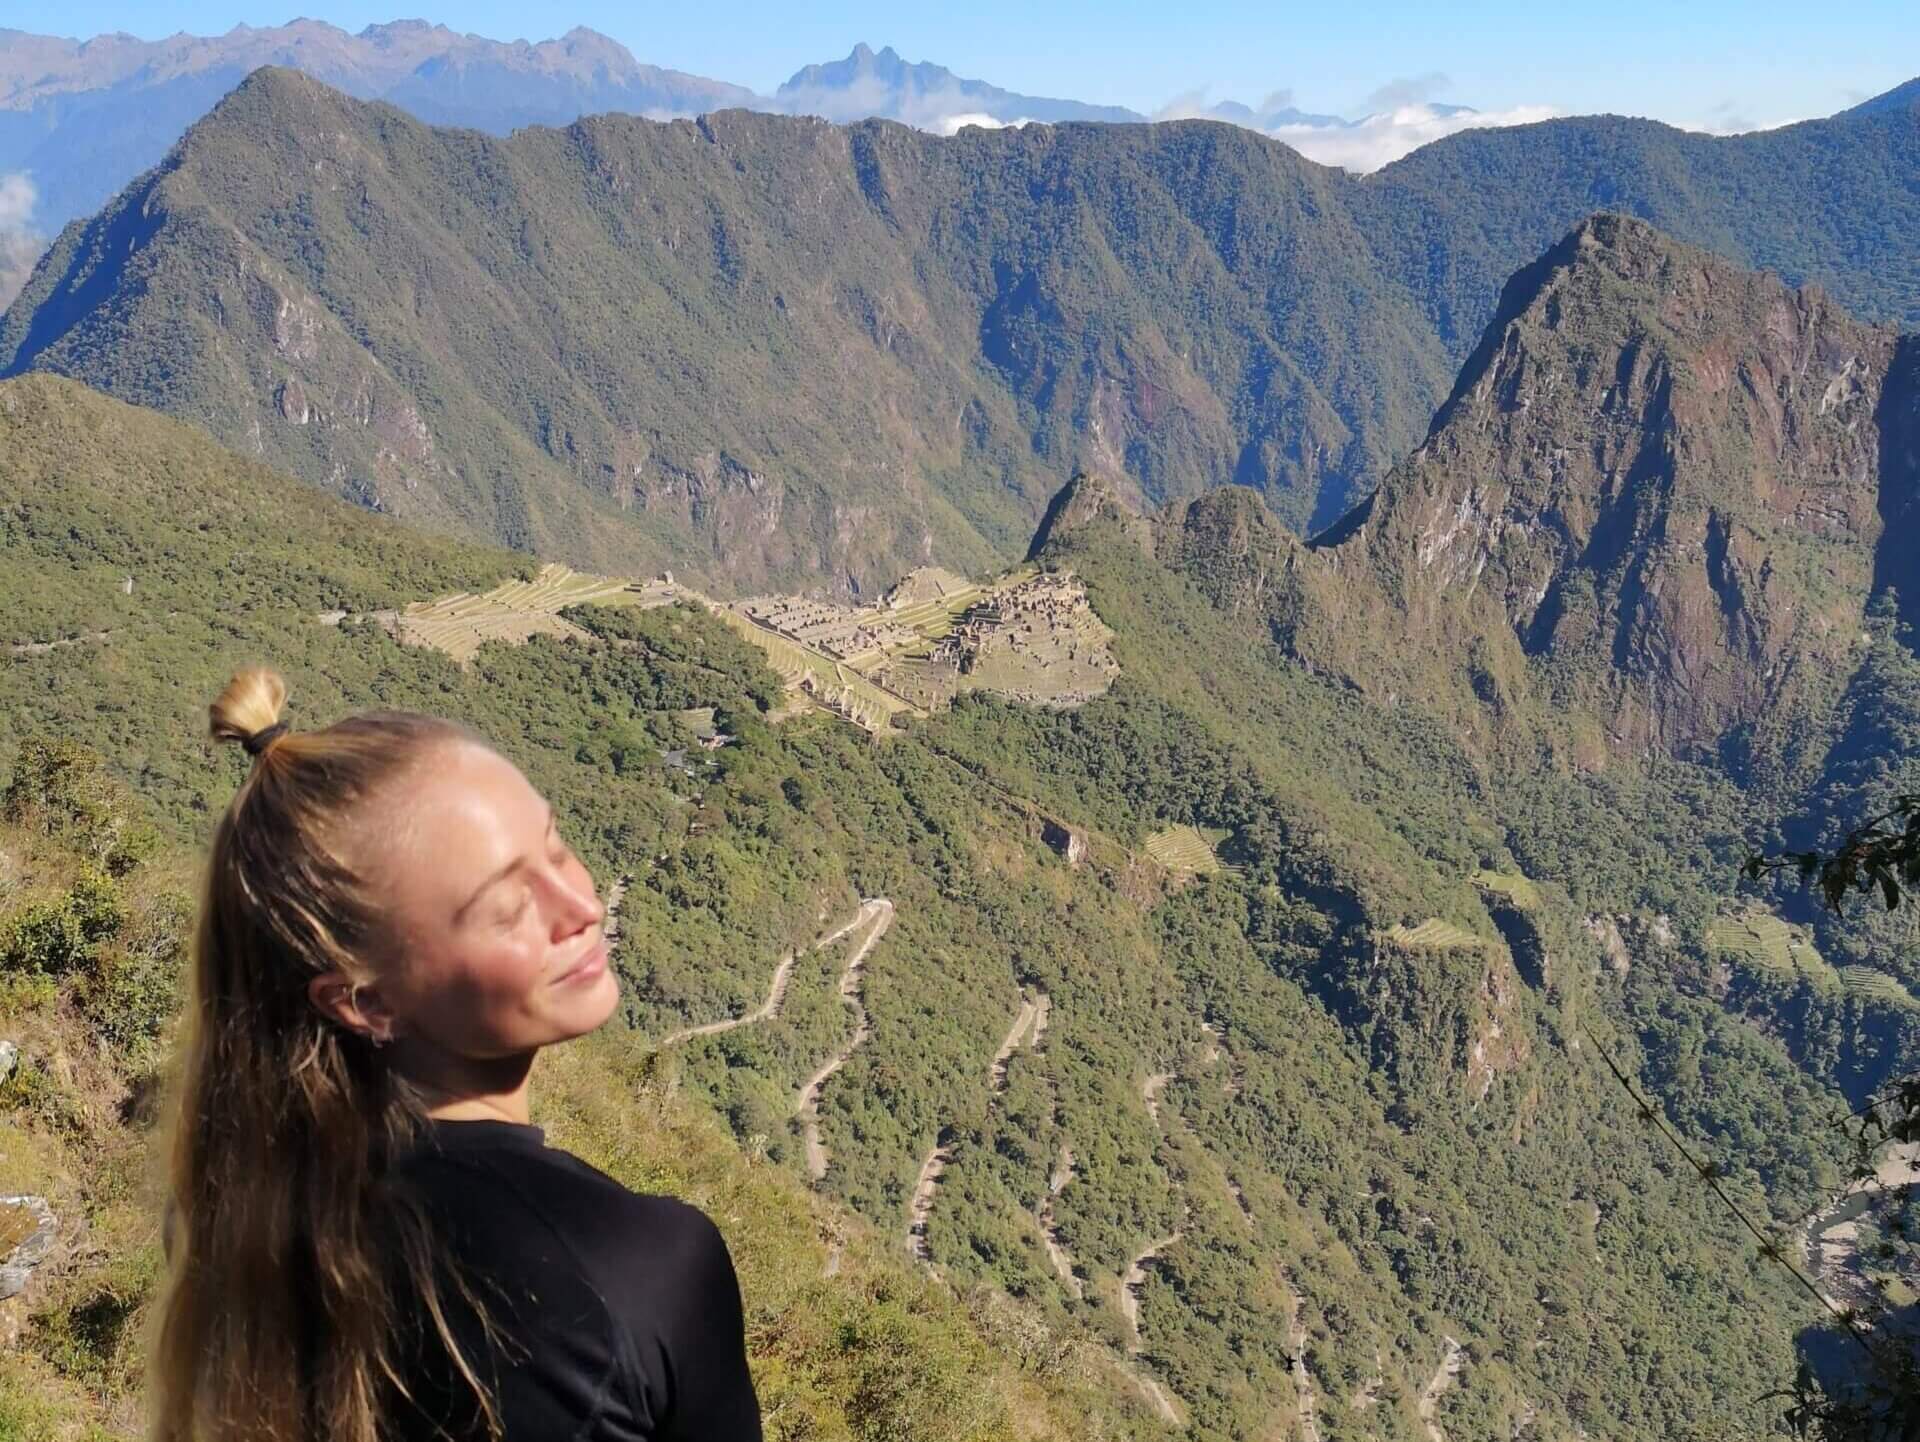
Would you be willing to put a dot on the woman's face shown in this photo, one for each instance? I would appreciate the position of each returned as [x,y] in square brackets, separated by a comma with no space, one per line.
[498,923]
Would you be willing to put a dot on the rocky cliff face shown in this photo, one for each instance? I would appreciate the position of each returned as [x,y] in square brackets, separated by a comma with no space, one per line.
[1657,480]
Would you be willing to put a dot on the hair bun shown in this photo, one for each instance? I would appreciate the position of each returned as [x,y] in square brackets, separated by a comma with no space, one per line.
[261,740]
[248,711]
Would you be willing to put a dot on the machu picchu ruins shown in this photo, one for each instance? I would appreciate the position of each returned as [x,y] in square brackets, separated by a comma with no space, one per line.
[1030,635]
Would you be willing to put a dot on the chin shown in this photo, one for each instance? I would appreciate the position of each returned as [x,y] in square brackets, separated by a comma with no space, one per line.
[593,1009]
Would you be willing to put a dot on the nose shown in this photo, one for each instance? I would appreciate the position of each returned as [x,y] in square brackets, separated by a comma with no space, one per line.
[577,903]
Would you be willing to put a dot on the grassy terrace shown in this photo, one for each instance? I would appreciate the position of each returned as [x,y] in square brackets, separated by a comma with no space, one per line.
[513,611]
[1186,848]
[1516,888]
[1762,941]
[1432,935]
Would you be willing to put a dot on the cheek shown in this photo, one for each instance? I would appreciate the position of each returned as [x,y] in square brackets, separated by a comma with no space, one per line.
[501,970]
[474,984]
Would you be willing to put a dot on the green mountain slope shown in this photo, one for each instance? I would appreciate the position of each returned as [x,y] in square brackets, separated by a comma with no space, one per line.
[781,351]
[229,563]
[1650,516]
[1327,1101]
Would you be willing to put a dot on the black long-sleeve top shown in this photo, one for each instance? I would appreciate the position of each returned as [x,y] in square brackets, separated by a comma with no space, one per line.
[615,1317]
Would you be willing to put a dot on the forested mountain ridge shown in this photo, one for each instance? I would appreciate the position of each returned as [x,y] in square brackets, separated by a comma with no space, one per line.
[1308,1085]
[84,117]
[788,352]
[1650,517]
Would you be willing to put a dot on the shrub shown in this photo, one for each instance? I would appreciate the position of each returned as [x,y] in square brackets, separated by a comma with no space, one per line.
[55,938]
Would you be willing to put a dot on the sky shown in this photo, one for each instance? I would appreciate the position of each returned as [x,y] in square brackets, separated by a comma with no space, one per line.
[1707,64]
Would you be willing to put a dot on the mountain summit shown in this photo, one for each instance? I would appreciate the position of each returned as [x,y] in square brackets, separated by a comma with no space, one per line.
[1658,478]
[879,83]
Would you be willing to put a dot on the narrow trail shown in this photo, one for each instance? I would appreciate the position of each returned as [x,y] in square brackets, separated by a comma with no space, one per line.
[806,1105]
[1135,1277]
[920,1208]
[1150,1090]
[1453,1362]
[776,991]
[1217,1051]
[41,648]
[1029,1026]
[1308,1405]
[1130,1285]
[776,998]
[616,895]
[1050,1230]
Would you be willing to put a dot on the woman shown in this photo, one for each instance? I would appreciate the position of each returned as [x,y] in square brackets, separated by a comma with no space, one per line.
[367,1238]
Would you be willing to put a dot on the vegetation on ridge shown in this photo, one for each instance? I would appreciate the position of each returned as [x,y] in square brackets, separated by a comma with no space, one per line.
[774,351]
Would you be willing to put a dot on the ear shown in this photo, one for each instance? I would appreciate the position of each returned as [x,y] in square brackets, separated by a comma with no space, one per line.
[357,1006]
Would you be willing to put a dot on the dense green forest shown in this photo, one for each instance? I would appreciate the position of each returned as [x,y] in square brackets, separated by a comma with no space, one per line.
[1329,1101]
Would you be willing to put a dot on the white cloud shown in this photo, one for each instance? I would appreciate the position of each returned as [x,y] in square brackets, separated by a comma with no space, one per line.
[20,245]
[1383,138]
[18,196]
[942,111]
[954,124]
[1188,105]
[1408,90]
[1723,122]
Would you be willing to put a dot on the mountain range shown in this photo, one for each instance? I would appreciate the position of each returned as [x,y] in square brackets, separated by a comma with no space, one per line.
[1329,900]
[82,118]
[782,351]
[1494,551]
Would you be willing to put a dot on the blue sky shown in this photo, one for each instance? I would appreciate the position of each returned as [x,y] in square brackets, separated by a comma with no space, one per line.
[1708,63]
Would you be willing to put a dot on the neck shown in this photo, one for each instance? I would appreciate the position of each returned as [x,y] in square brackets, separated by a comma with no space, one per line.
[468,1089]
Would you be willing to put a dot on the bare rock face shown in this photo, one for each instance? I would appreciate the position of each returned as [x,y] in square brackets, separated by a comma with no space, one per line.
[1069,844]
[1657,478]
[28,1236]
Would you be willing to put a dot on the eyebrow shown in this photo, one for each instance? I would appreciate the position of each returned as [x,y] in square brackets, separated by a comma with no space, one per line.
[504,872]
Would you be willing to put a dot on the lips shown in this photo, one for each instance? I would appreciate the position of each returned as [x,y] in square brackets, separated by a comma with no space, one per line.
[587,967]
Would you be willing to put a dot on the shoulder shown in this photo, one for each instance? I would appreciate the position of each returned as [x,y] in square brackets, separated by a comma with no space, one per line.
[534,1202]
[662,1259]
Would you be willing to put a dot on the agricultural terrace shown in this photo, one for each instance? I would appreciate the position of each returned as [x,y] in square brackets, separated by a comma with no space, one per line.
[1517,889]
[1186,848]
[1433,935]
[1030,635]
[1763,942]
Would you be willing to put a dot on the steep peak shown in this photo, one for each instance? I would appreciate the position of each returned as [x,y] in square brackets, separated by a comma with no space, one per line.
[1089,497]
[1613,278]
[1632,471]
[385,34]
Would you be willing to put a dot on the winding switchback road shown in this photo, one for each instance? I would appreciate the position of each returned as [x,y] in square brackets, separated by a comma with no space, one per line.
[777,990]
[806,1105]
[1029,1026]
[1453,1361]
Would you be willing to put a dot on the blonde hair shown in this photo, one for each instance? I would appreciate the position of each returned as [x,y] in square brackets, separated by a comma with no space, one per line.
[279,1322]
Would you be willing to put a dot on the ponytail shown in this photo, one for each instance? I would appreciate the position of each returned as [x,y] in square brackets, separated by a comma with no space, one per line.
[285,1244]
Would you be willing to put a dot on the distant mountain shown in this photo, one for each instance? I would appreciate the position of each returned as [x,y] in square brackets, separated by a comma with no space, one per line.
[784,351]
[85,117]
[1270,118]
[930,97]
[774,349]
[1657,496]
